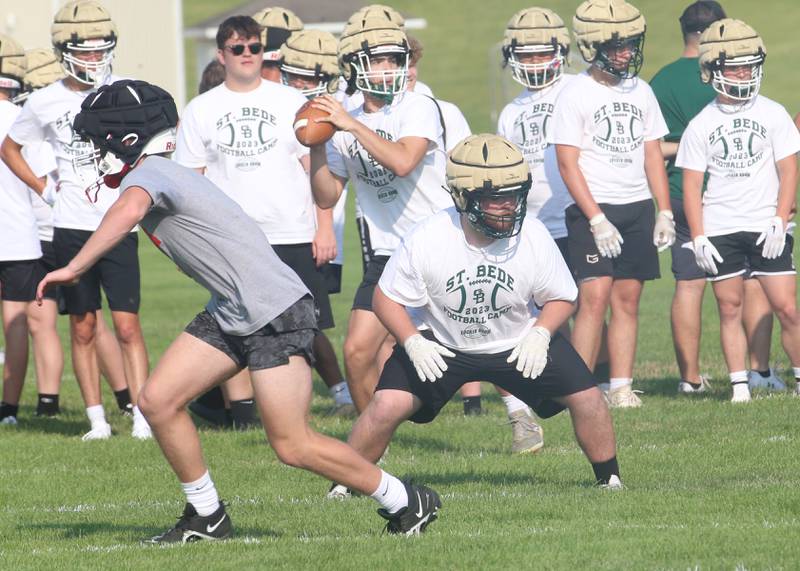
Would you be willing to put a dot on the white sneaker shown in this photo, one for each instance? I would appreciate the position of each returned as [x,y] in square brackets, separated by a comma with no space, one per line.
[686,388]
[338,492]
[741,393]
[9,420]
[624,397]
[141,431]
[771,383]
[614,484]
[99,432]
[2,357]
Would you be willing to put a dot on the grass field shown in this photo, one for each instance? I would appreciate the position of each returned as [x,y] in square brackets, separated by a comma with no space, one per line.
[709,485]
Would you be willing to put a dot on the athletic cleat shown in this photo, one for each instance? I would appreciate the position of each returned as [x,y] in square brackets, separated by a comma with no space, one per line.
[141,431]
[771,383]
[9,420]
[614,484]
[193,527]
[527,435]
[686,388]
[624,397]
[219,417]
[422,509]
[741,392]
[99,432]
[338,492]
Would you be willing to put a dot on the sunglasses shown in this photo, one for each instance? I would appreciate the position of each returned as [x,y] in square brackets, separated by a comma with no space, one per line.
[238,49]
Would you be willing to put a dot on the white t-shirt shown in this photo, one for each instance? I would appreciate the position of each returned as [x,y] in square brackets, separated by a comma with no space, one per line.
[455,123]
[42,161]
[525,122]
[47,116]
[390,204]
[610,126]
[356,100]
[247,144]
[19,239]
[476,300]
[739,146]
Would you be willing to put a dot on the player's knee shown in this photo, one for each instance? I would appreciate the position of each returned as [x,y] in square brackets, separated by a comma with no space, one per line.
[128,332]
[730,308]
[84,332]
[152,406]
[787,314]
[354,351]
[292,452]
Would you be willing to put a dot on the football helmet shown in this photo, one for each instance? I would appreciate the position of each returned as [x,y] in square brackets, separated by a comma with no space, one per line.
[277,25]
[81,31]
[123,121]
[366,40]
[732,45]
[604,26]
[311,54]
[43,68]
[488,167]
[377,11]
[12,65]
[535,31]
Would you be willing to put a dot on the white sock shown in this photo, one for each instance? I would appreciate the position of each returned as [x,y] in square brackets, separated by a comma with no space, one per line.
[391,493]
[738,377]
[796,372]
[605,387]
[96,414]
[341,393]
[138,417]
[618,383]
[202,494]
[513,404]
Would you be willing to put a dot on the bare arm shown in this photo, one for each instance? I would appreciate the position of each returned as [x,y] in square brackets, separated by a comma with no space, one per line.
[787,174]
[323,247]
[554,314]
[656,174]
[393,316]
[669,149]
[692,201]
[11,153]
[576,183]
[326,187]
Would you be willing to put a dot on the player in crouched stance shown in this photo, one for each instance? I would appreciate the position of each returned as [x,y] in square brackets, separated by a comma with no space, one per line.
[748,144]
[260,315]
[473,275]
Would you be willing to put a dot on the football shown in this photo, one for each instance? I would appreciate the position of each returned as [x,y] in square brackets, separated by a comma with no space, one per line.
[308,131]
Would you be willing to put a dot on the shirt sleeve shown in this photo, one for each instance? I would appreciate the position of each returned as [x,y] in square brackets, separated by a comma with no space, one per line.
[692,149]
[421,119]
[336,162]
[401,281]
[655,127]
[190,147]
[27,130]
[568,121]
[785,136]
[553,282]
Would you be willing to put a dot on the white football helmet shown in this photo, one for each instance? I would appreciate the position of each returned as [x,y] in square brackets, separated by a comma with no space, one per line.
[12,65]
[536,31]
[731,45]
[311,54]
[84,38]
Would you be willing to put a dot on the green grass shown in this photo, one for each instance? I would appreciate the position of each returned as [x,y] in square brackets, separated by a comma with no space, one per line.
[710,485]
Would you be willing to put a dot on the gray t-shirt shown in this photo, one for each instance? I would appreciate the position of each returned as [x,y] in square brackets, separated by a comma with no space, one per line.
[213,241]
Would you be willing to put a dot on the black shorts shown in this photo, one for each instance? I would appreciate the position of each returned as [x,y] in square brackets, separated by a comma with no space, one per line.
[367,252]
[300,258]
[332,274]
[741,256]
[19,279]
[565,374]
[563,247]
[684,266]
[117,272]
[639,257]
[291,333]
[363,297]
[48,263]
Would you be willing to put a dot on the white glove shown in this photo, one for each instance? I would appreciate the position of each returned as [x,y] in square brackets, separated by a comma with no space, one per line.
[606,236]
[531,353]
[705,253]
[664,232]
[427,357]
[774,238]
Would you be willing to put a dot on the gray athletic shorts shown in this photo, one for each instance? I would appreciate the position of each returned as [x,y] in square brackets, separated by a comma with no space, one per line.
[291,333]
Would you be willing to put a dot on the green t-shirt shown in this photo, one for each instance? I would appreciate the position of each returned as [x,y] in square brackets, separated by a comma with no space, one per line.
[681,95]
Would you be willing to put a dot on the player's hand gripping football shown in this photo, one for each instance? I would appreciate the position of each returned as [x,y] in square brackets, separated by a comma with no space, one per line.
[773,238]
[705,255]
[606,236]
[426,356]
[531,353]
[664,232]
[337,115]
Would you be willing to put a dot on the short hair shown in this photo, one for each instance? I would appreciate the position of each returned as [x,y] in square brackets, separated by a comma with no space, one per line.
[213,75]
[416,48]
[243,26]
[699,16]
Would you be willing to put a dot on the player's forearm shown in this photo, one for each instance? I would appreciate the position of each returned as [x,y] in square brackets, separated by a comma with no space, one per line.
[396,156]
[324,186]
[324,218]
[575,181]
[787,174]
[693,201]
[11,153]
[656,174]
[554,314]
[669,149]
[393,316]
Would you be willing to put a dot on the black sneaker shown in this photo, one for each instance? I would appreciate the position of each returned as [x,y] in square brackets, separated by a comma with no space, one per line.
[193,527]
[219,417]
[423,508]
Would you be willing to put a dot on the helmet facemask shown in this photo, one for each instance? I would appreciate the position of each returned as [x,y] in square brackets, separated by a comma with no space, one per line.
[536,75]
[496,226]
[89,72]
[383,84]
[632,67]
[321,87]
[743,89]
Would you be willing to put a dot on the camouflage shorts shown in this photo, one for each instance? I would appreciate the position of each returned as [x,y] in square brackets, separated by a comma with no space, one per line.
[291,333]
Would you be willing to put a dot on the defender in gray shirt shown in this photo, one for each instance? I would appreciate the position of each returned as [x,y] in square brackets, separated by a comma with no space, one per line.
[260,315]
